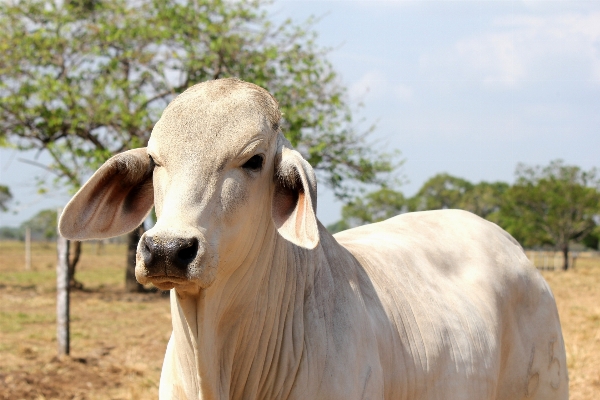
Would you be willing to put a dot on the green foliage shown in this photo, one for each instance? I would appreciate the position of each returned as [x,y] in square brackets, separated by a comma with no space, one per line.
[85,79]
[338,226]
[43,225]
[445,191]
[440,192]
[374,207]
[553,205]
[11,233]
[484,199]
[592,239]
[5,197]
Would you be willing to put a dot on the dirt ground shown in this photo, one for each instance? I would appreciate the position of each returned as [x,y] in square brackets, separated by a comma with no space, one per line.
[118,340]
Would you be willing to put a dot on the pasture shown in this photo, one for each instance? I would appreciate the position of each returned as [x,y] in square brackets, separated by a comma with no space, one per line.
[118,339]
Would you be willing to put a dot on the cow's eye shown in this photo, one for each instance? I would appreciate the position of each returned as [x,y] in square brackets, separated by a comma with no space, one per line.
[153,163]
[254,164]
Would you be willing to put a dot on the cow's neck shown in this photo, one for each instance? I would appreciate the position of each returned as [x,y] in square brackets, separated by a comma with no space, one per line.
[245,336]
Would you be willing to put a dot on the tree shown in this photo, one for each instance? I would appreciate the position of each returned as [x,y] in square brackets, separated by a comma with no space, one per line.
[552,205]
[5,197]
[43,225]
[592,239]
[440,192]
[484,199]
[83,80]
[444,191]
[373,207]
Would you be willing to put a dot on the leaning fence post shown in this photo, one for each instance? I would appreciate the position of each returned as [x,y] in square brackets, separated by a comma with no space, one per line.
[62,293]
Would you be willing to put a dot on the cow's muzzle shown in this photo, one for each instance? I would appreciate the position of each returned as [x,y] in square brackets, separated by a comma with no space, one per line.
[172,254]
[167,259]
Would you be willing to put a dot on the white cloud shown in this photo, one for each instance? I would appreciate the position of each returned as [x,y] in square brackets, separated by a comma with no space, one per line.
[494,56]
[521,48]
[403,92]
[372,83]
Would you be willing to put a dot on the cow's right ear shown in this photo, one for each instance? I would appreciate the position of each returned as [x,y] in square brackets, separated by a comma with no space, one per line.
[116,199]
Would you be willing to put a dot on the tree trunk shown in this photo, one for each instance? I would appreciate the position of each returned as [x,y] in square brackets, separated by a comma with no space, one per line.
[131,284]
[565,251]
[75,254]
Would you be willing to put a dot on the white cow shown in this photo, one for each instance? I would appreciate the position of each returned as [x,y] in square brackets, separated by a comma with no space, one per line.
[266,304]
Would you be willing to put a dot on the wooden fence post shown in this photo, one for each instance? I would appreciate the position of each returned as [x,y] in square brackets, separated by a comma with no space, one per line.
[62,294]
[27,248]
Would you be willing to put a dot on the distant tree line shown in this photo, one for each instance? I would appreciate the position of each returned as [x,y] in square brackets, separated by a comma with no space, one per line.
[42,226]
[554,205]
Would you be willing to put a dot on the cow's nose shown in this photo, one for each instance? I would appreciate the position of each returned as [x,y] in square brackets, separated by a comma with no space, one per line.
[159,253]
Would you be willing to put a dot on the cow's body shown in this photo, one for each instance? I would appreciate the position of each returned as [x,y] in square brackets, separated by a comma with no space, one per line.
[266,304]
[466,314]
[417,307]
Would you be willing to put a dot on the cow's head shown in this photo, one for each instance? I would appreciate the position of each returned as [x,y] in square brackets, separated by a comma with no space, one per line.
[220,175]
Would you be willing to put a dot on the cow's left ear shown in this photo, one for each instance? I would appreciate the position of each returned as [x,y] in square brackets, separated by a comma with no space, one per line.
[116,199]
[294,207]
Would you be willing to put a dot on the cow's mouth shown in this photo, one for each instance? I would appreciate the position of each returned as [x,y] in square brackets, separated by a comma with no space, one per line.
[165,282]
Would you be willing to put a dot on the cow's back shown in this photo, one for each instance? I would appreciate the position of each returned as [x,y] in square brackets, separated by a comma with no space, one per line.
[466,313]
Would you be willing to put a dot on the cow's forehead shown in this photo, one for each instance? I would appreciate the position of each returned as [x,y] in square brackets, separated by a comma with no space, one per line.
[216,118]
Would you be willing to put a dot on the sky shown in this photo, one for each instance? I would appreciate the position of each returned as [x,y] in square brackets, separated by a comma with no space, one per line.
[471,88]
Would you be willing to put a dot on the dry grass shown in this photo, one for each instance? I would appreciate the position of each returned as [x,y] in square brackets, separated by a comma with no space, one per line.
[577,295]
[118,340]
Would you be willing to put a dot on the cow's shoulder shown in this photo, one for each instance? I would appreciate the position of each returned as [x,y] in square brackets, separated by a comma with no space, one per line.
[431,247]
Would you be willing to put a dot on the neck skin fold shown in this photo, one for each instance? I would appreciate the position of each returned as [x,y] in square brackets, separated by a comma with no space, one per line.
[249,332]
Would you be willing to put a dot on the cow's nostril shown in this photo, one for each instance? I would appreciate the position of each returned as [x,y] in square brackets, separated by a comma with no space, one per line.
[147,248]
[188,253]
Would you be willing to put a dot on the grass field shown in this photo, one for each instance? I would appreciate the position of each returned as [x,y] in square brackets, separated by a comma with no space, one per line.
[118,340]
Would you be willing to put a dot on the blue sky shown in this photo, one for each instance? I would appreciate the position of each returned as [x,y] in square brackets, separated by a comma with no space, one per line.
[468,87]
[465,87]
